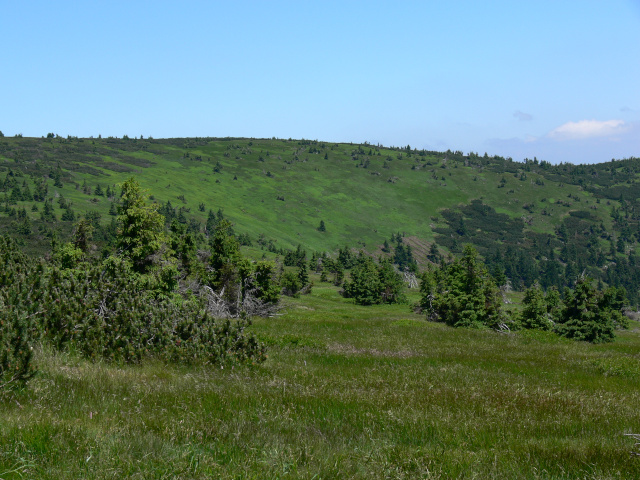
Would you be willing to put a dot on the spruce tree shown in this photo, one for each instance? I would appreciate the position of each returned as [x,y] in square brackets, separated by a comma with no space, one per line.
[534,313]
[303,274]
[589,314]
[26,193]
[140,226]
[462,294]
[83,234]
[48,213]
[364,285]
[68,215]
[57,178]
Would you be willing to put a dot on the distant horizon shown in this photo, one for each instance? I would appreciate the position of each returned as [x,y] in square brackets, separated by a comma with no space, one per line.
[365,142]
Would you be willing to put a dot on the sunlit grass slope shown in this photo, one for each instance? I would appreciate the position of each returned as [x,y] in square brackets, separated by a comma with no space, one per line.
[284,188]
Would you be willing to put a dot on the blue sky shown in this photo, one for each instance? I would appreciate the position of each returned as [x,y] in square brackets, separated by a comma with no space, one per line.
[557,80]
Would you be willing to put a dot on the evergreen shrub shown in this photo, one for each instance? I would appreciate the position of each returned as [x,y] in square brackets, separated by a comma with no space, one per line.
[462,294]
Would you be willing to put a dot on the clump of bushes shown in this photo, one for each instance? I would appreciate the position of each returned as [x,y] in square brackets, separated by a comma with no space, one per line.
[585,313]
[15,348]
[106,311]
[374,283]
[150,298]
[463,294]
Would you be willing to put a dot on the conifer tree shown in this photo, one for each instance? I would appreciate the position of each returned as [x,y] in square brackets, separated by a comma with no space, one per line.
[26,193]
[140,226]
[211,222]
[588,314]
[373,283]
[225,254]
[68,215]
[303,274]
[57,177]
[534,313]
[83,234]
[48,213]
[462,293]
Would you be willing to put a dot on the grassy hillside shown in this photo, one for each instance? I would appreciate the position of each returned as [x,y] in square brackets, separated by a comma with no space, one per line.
[362,192]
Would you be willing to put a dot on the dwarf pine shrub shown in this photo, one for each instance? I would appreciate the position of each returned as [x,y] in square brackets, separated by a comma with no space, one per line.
[15,348]
[17,328]
[106,311]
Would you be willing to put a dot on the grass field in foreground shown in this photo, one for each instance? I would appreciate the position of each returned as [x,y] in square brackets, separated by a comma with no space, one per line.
[347,392]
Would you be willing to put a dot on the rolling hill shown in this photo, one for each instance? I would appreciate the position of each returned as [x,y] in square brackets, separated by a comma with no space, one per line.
[532,221]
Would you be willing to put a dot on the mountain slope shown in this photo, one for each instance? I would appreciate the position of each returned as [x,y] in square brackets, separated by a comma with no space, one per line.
[576,217]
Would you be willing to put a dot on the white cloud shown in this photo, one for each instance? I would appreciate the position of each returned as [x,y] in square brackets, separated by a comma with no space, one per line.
[618,140]
[588,129]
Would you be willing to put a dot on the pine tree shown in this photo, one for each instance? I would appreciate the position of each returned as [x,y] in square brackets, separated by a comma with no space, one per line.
[24,226]
[16,195]
[83,234]
[391,283]
[41,191]
[57,178]
[303,274]
[26,193]
[462,294]
[48,213]
[211,223]
[364,285]
[339,274]
[373,283]
[140,226]
[587,314]
[345,257]
[225,254]
[68,215]
[534,313]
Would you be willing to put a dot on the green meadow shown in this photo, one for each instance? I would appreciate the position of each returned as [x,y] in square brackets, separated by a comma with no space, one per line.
[346,392]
